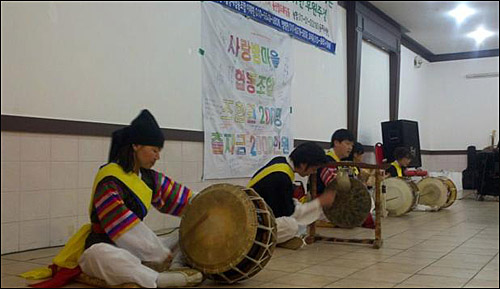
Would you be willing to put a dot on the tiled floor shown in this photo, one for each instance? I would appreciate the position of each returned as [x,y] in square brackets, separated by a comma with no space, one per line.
[456,247]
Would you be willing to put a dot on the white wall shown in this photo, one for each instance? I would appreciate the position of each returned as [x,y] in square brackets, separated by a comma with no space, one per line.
[453,112]
[373,93]
[413,94]
[319,89]
[103,62]
[463,111]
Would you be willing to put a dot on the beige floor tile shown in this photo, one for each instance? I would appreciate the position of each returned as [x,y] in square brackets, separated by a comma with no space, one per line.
[477,283]
[286,266]
[489,275]
[421,254]
[19,268]
[365,256]
[14,282]
[42,261]
[380,275]
[243,284]
[405,285]
[450,239]
[280,252]
[406,260]
[436,281]
[491,266]
[476,251]
[458,264]
[30,255]
[300,279]
[382,251]
[439,249]
[276,285]
[305,257]
[448,272]
[5,261]
[267,275]
[355,283]
[467,258]
[401,268]
[333,271]
[349,263]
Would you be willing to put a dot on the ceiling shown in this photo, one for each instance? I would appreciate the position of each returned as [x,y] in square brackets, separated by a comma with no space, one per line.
[430,25]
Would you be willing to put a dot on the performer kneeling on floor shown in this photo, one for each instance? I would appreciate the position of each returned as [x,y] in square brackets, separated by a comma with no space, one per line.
[274,183]
[117,245]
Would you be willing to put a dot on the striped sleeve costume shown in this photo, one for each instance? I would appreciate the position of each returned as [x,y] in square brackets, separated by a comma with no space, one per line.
[115,208]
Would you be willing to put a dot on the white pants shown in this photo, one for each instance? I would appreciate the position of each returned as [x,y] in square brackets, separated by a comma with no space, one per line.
[296,224]
[118,266]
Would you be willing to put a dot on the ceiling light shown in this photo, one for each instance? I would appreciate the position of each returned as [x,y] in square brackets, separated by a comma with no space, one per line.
[480,34]
[461,12]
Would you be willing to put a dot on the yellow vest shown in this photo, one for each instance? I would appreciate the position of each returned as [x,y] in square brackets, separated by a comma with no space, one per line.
[398,168]
[69,255]
[280,167]
[333,155]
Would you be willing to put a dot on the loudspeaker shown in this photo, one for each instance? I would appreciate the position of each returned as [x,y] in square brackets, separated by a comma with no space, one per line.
[401,133]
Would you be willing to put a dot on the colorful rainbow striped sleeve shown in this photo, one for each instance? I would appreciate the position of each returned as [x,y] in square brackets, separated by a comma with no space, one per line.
[115,218]
[169,197]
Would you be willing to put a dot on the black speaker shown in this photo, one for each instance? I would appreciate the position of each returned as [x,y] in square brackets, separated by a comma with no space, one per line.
[401,133]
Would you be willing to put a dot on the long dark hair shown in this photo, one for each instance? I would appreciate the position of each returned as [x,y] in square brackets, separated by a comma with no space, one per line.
[124,157]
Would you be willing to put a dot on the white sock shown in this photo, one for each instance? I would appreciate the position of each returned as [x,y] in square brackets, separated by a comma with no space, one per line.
[176,279]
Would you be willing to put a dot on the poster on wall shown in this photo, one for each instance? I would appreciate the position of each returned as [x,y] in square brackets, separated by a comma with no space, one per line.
[314,22]
[247,70]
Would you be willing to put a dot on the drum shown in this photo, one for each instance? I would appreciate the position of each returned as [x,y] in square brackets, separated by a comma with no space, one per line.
[228,233]
[350,208]
[437,191]
[400,195]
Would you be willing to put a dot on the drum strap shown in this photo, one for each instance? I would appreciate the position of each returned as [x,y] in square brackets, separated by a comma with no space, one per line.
[398,168]
[281,167]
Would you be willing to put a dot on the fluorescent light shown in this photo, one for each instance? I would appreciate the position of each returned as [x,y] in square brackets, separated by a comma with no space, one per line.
[461,12]
[480,34]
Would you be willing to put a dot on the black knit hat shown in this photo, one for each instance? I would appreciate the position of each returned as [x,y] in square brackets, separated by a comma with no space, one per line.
[144,130]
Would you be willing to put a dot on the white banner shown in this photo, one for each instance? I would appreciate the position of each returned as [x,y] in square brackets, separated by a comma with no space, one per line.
[246,82]
[314,22]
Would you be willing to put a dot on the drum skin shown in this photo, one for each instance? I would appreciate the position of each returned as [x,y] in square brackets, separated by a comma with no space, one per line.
[400,196]
[437,191]
[350,208]
[228,233]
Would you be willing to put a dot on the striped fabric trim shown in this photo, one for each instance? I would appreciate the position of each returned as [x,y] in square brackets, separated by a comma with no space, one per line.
[115,218]
[170,197]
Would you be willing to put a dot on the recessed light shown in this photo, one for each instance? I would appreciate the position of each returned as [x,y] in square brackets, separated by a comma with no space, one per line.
[480,34]
[461,12]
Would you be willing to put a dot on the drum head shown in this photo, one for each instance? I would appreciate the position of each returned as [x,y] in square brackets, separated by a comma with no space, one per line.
[350,209]
[452,192]
[218,228]
[399,196]
[433,192]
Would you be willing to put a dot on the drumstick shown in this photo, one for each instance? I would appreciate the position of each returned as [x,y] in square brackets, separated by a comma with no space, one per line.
[202,219]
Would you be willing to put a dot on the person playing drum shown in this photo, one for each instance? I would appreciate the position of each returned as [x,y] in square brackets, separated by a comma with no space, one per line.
[117,244]
[403,159]
[340,148]
[274,183]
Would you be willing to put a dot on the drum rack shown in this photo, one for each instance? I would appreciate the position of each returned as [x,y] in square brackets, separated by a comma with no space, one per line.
[377,241]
